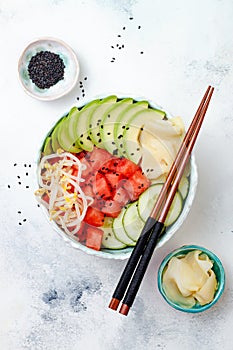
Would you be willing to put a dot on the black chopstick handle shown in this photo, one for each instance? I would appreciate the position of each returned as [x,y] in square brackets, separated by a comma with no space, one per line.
[142,265]
[133,259]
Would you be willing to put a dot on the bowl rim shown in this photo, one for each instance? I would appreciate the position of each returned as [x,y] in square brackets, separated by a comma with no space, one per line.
[74,58]
[179,251]
[125,252]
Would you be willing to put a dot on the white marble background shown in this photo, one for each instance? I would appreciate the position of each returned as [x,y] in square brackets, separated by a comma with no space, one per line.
[52,296]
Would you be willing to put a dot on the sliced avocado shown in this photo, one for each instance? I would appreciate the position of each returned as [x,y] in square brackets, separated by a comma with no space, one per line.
[108,122]
[65,139]
[133,128]
[68,130]
[96,115]
[47,148]
[123,119]
[55,143]
[81,126]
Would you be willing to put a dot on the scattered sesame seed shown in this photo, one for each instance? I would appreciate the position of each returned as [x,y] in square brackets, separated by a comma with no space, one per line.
[8,186]
[19,212]
[24,220]
[112,47]
[25,165]
[27,186]
[85,78]
[130,18]
[141,52]
[123,28]
[26,174]
[139,27]
[15,164]
[20,223]
[19,183]
[77,98]
[119,36]
[83,95]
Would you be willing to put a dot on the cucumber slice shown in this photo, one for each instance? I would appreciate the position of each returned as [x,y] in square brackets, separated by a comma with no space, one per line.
[119,230]
[109,239]
[132,223]
[148,198]
[184,186]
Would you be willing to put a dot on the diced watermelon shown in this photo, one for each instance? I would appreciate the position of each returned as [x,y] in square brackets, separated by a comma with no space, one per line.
[126,167]
[109,165]
[113,179]
[94,217]
[101,188]
[121,196]
[111,208]
[82,232]
[98,157]
[94,237]
[136,184]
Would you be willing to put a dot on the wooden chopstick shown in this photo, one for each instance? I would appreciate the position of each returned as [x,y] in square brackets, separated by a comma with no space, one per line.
[153,227]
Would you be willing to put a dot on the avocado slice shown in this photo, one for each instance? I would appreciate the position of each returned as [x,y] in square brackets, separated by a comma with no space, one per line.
[108,122]
[123,119]
[95,118]
[81,126]
[66,134]
[131,134]
[47,148]
[55,143]
[67,141]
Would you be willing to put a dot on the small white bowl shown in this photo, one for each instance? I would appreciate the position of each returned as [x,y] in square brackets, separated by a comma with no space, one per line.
[71,71]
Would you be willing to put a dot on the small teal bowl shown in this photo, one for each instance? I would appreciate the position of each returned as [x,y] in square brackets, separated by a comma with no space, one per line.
[217,268]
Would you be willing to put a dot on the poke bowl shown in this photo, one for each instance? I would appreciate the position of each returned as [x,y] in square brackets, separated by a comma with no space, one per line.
[101,167]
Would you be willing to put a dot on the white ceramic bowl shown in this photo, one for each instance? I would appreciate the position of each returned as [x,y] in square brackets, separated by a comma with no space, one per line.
[71,71]
[122,254]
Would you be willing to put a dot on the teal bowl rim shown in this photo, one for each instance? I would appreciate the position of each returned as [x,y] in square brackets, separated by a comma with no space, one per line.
[182,250]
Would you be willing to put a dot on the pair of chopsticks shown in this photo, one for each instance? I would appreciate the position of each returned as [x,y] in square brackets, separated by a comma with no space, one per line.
[135,269]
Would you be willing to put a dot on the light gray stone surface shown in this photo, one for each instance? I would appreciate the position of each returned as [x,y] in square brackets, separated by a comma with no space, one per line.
[55,297]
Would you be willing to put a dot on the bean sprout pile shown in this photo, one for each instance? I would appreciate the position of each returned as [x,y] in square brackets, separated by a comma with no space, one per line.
[59,177]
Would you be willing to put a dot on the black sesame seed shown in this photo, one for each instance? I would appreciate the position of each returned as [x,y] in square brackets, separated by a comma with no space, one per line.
[119,35]
[19,183]
[120,136]
[26,174]
[8,186]
[115,152]
[38,205]
[83,90]
[139,27]
[83,95]
[121,145]
[112,47]
[98,134]
[127,128]
[101,126]
[141,129]
[137,149]
[123,126]
[108,133]
[81,142]
[29,165]
[123,28]
[88,138]
[77,98]
[27,186]
[25,165]
[90,125]
[45,69]
[81,135]
[99,120]
[113,143]
[141,52]
[99,140]
[24,220]
[20,223]
[109,116]
[85,78]
[19,212]
[132,154]
[15,164]
[131,18]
